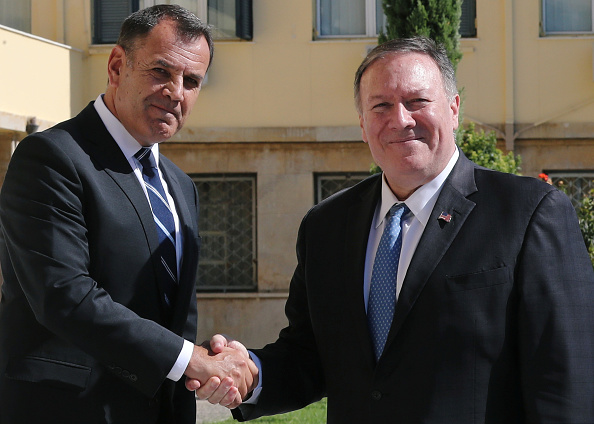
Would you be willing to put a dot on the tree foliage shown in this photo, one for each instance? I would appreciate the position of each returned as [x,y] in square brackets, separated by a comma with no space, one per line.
[436,19]
[481,148]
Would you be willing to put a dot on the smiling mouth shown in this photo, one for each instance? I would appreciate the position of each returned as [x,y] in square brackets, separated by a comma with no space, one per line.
[405,140]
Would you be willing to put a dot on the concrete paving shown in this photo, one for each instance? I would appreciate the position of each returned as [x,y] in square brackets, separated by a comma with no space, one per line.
[208,413]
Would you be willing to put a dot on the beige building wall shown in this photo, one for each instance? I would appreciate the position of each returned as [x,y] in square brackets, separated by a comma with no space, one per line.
[281,107]
[285,191]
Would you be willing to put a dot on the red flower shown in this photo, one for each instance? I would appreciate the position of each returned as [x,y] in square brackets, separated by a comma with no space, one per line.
[543,177]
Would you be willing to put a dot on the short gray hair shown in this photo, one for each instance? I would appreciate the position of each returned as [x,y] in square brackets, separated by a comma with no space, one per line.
[423,45]
[188,26]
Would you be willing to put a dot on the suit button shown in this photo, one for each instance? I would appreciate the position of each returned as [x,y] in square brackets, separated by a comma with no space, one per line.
[376,395]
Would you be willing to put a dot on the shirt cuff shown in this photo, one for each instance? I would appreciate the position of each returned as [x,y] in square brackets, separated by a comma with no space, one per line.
[253,399]
[182,361]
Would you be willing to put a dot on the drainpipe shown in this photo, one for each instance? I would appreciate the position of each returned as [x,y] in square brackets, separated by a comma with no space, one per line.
[510,118]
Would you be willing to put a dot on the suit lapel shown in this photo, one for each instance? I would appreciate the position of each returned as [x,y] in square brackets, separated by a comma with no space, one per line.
[108,156]
[358,224]
[437,238]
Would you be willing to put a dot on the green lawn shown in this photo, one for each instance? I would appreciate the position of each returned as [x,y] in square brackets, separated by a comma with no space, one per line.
[313,414]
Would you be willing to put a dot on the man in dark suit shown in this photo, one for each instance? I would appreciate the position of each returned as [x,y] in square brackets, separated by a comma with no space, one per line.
[98,310]
[494,312]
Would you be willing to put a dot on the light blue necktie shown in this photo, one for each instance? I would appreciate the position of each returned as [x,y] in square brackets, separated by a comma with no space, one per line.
[382,292]
[163,220]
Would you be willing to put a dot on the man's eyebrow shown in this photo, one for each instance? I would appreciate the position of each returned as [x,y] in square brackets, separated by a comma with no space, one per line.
[376,97]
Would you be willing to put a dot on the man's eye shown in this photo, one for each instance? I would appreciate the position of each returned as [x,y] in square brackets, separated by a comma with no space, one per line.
[419,100]
[417,103]
[382,105]
[191,83]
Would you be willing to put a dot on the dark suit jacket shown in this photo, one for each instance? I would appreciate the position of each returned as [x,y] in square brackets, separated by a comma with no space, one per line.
[494,323]
[84,333]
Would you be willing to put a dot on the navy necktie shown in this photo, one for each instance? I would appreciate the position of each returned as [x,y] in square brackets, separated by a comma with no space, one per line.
[382,292]
[163,220]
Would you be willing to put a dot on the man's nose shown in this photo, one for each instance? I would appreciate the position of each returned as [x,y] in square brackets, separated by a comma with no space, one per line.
[174,89]
[401,117]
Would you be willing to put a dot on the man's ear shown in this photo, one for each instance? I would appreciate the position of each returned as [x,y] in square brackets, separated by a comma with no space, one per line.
[115,65]
[455,107]
[363,134]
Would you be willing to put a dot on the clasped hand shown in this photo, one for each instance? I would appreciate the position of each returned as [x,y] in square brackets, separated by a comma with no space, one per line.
[221,371]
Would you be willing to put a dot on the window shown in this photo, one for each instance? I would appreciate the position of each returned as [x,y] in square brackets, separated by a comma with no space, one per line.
[468,19]
[349,18]
[576,184]
[567,16]
[16,14]
[365,18]
[328,184]
[230,18]
[227,226]
[108,16]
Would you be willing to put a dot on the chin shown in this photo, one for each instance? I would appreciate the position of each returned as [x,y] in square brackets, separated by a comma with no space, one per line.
[164,132]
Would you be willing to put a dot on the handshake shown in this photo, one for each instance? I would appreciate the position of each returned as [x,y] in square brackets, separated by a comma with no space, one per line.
[222,372]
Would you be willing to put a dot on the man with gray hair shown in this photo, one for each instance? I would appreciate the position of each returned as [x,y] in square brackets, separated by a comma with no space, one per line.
[437,291]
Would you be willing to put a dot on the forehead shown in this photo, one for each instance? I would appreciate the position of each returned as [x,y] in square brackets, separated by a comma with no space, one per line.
[402,71]
[163,44]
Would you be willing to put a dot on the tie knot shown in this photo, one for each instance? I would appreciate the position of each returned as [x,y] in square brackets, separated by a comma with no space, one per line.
[146,159]
[398,210]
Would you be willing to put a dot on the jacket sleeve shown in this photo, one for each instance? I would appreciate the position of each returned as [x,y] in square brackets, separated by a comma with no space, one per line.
[556,316]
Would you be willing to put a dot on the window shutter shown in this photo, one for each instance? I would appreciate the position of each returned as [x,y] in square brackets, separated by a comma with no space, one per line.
[468,19]
[108,18]
[244,22]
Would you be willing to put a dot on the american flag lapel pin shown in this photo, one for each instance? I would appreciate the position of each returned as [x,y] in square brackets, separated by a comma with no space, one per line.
[445,216]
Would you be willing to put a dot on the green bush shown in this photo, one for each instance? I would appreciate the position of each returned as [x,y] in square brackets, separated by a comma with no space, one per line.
[482,149]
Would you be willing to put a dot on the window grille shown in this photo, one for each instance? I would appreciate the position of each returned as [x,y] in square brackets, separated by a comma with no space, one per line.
[108,16]
[328,184]
[576,185]
[468,19]
[227,226]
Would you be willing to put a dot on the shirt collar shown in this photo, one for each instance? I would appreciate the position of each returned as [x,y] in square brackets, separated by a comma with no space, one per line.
[422,201]
[128,144]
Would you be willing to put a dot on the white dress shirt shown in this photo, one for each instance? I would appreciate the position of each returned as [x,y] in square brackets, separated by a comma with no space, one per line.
[420,203]
[129,147]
